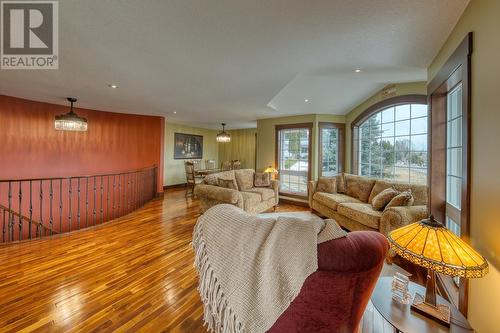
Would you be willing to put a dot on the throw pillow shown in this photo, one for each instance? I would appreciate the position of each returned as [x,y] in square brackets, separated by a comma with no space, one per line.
[327,184]
[383,198]
[262,179]
[227,183]
[404,198]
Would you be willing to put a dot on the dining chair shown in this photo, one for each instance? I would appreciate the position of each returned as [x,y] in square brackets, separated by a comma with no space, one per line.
[191,179]
[210,164]
[196,164]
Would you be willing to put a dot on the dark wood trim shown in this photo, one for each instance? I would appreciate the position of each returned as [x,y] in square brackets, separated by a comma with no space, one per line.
[377,107]
[298,125]
[277,128]
[255,153]
[448,289]
[341,145]
[293,202]
[168,187]
[456,69]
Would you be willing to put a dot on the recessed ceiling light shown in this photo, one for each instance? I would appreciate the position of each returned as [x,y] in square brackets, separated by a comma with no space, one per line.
[114,86]
[306,100]
[357,70]
[175,112]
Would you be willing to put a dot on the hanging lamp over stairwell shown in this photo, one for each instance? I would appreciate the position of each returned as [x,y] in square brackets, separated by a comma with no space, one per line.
[70,121]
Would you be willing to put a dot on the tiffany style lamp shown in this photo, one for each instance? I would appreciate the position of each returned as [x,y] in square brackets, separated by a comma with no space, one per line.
[429,244]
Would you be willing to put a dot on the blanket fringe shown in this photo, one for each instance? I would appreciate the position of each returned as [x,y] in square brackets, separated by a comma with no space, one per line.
[218,315]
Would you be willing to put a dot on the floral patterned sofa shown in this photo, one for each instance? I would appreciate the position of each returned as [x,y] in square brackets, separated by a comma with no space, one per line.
[351,204]
[246,196]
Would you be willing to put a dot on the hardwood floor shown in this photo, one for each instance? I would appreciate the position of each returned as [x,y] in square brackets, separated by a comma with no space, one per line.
[133,274]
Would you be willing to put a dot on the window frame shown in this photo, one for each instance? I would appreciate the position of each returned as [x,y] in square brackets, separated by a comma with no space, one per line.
[457,69]
[376,108]
[340,145]
[277,128]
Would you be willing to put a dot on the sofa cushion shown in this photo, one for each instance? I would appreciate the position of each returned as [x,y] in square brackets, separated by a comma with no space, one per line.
[262,179]
[266,193]
[327,184]
[341,183]
[404,198]
[244,178]
[383,198]
[360,212]
[227,183]
[331,200]
[419,192]
[250,200]
[358,187]
[212,178]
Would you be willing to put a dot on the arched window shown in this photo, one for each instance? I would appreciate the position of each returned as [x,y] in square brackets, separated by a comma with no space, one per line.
[390,140]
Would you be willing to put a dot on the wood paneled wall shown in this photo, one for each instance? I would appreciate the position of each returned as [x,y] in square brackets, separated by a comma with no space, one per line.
[114,142]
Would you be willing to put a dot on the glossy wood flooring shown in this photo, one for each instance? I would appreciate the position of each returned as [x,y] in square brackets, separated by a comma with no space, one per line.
[133,274]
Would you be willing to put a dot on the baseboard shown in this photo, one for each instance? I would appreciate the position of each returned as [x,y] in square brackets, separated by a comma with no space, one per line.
[294,202]
[168,187]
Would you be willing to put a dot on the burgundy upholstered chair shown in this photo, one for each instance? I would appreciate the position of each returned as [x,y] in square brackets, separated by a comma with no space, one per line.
[334,298]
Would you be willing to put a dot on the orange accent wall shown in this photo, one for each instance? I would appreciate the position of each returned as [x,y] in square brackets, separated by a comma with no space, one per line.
[114,142]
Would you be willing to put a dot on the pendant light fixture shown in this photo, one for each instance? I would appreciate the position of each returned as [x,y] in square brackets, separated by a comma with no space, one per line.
[70,121]
[223,136]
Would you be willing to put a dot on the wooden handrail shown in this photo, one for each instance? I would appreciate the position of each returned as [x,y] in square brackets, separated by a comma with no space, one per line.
[27,219]
[76,177]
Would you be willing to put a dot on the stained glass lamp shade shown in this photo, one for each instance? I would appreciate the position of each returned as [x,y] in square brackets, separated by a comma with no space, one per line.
[429,244]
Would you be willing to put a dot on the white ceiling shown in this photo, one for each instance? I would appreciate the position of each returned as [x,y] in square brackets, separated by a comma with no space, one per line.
[227,60]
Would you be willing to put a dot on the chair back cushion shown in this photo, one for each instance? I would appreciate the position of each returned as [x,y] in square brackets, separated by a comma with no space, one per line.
[244,178]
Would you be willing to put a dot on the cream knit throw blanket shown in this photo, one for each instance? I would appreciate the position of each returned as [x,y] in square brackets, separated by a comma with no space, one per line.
[250,268]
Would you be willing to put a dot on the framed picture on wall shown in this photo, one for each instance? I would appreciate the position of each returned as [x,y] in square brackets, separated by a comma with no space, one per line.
[188,146]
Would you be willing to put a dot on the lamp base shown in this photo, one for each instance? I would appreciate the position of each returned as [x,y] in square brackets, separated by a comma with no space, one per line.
[440,312]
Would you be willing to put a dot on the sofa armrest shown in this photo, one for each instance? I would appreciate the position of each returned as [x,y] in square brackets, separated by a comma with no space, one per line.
[397,217]
[217,193]
[275,185]
[357,252]
[311,189]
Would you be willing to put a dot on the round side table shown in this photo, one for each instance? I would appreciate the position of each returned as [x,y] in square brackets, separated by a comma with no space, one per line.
[405,320]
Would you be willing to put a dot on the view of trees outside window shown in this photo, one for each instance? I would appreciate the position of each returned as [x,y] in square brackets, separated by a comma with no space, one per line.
[329,151]
[454,162]
[393,144]
[293,160]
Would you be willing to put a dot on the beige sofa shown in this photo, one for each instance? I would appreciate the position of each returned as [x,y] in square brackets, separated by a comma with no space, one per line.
[351,205]
[247,197]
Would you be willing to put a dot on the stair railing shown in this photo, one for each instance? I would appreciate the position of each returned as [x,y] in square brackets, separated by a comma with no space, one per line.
[39,207]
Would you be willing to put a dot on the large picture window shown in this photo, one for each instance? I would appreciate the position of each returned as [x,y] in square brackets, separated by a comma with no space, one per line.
[391,142]
[294,157]
[331,149]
